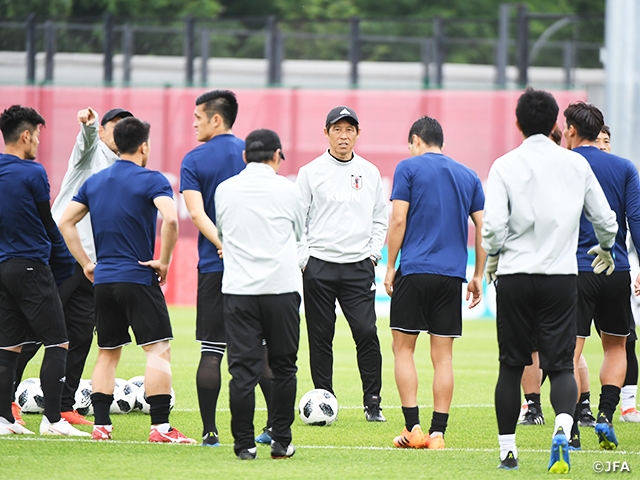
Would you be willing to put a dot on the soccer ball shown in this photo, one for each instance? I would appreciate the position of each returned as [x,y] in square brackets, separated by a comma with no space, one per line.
[29,396]
[83,398]
[141,397]
[124,397]
[318,407]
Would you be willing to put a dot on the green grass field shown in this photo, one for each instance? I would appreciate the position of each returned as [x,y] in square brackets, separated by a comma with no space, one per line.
[350,448]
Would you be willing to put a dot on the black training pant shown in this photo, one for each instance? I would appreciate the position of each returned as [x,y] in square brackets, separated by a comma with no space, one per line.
[353,285]
[249,319]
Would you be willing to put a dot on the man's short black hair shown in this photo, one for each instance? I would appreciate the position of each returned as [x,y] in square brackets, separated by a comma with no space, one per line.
[129,133]
[16,119]
[537,112]
[607,130]
[222,102]
[587,119]
[429,130]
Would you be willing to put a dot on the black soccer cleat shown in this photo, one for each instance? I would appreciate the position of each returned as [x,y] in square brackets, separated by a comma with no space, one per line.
[280,451]
[509,463]
[586,418]
[532,417]
[210,439]
[373,413]
[248,454]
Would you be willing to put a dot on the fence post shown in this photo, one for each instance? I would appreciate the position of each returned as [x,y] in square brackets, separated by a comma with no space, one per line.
[271,51]
[31,48]
[50,49]
[502,49]
[522,45]
[107,48]
[426,47]
[438,47]
[127,52]
[568,58]
[204,55]
[354,49]
[189,50]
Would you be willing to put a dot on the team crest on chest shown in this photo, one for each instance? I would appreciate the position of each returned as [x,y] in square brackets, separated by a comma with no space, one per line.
[356,182]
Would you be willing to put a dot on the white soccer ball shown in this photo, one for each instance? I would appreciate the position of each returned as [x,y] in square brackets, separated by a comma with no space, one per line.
[318,407]
[29,396]
[124,397]
[83,398]
[141,397]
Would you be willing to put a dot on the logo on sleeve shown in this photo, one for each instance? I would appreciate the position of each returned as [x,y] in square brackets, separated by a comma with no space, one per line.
[356,182]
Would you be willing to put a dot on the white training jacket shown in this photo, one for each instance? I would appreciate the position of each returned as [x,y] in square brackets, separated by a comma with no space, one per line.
[346,210]
[89,155]
[535,195]
[260,218]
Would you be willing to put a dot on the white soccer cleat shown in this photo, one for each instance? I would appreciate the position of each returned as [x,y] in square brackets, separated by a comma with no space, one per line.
[60,428]
[631,415]
[14,428]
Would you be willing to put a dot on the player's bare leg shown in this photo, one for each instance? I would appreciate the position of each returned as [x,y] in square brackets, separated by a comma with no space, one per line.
[442,360]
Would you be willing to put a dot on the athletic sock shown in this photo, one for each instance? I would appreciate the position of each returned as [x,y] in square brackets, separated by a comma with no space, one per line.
[160,405]
[439,422]
[54,366]
[208,382]
[8,364]
[609,398]
[411,417]
[628,397]
[585,400]
[533,400]
[565,421]
[576,417]
[507,444]
[632,364]
[101,403]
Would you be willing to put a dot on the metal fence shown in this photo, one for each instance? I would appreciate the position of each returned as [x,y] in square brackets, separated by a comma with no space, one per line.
[514,37]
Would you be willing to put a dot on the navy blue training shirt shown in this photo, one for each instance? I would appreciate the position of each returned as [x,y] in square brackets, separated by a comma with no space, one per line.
[619,180]
[123,219]
[203,169]
[442,193]
[23,183]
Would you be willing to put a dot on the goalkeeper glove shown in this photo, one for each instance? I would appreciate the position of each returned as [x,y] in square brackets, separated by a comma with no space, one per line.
[605,260]
[490,268]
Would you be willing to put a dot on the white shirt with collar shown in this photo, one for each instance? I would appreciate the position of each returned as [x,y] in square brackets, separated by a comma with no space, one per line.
[89,155]
[535,195]
[345,208]
[259,216]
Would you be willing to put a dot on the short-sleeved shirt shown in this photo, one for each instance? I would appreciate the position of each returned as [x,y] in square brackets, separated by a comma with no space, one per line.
[442,193]
[618,178]
[202,170]
[123,218]
[23,184]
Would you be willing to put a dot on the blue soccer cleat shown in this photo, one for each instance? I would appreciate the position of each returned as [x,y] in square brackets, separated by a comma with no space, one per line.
[265,437]
[606,435]
[509,463]
[559,460]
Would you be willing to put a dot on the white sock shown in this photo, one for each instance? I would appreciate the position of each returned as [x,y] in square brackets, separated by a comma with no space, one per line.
[507,444]
[435,434]
[565,421]
[628,397]
[162,428]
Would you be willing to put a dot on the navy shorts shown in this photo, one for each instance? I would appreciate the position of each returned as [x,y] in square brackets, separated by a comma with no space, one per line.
[122,305]
[427,303]
[30,307]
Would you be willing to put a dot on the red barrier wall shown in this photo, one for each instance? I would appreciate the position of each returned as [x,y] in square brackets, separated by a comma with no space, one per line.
[479,126]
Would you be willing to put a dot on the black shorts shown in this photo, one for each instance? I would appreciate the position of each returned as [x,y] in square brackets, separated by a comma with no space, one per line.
[120,305]
[537,310]
[427,303]
[210,328]
[30,307]
[605,300]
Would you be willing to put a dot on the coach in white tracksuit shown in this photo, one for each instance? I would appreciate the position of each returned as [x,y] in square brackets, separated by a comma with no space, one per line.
[346,225]
[93,151]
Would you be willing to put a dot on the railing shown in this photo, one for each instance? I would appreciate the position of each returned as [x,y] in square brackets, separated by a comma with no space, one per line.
[499,41]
